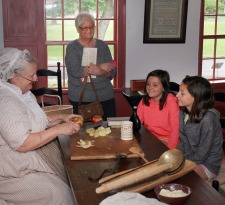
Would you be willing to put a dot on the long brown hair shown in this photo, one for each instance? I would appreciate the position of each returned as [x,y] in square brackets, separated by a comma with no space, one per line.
[202,91]
[164,77]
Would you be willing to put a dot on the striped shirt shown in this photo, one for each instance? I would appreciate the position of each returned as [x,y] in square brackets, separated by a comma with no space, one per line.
[27,178]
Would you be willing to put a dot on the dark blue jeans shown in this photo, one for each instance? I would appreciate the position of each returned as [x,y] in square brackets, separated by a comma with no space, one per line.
[109,107]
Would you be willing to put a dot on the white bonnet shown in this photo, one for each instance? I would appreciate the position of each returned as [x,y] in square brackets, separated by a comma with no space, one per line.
[10,59]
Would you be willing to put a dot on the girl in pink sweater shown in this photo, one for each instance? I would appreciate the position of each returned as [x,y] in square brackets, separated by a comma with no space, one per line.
[159,110]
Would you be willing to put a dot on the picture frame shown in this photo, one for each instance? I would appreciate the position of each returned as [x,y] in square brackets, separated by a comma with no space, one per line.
[165,21]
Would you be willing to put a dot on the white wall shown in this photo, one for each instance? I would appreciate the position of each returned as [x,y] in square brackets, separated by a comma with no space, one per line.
[178,59]
[1,26]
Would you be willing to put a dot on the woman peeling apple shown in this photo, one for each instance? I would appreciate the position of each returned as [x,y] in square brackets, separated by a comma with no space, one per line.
[31,170]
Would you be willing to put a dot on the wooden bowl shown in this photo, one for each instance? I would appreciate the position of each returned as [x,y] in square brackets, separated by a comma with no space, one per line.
[173,199]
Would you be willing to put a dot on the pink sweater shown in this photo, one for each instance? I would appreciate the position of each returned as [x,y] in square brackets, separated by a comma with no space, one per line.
[164,123]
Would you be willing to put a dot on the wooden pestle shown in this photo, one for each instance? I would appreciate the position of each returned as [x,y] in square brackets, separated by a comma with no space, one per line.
[148,185]
[104,179]
[132,177]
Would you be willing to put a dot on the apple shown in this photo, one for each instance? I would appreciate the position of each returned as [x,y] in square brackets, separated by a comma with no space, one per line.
[77,120]
[96,118]
[114,63]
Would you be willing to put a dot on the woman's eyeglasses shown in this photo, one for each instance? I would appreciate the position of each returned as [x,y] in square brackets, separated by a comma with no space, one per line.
[33,81]
[86,28]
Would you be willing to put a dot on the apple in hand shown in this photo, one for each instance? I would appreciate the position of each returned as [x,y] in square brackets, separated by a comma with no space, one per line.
[114,63]
[96,118]
[77,120]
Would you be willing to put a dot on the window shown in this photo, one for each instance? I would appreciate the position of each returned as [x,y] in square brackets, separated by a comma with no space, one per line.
[60,29]
[212,48]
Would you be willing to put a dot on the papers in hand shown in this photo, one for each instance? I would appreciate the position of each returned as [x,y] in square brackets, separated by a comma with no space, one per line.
[115,122]
[89,56]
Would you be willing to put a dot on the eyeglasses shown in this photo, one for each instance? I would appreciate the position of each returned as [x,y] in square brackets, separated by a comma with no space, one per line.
[86,28]
[27,78]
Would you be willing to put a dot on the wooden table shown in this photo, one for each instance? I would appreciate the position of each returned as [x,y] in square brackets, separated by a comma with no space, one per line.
[84,190]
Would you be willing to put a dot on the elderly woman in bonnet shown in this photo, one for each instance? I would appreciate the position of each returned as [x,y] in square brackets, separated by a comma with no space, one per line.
[31,170]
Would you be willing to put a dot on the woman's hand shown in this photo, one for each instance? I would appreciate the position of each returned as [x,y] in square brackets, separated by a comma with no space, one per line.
[59,118]
[68,128]
[67,118]
[108,67]
[103,69]
[38,139]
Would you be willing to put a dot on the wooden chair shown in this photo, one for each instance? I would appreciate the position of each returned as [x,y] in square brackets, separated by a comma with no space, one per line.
[174,87]
[220,97]
[50,91]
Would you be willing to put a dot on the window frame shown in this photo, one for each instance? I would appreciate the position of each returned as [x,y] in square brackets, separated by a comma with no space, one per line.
[214,37]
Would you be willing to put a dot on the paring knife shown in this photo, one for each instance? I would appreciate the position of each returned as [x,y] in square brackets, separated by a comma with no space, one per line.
[93,125]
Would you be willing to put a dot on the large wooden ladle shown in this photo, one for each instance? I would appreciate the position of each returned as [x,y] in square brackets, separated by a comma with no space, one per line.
[168,161]
[174,156]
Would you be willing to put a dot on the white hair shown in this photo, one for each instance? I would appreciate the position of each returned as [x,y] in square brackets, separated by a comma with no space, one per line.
[82,17]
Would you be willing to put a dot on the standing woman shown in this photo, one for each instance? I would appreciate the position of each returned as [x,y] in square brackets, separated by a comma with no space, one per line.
[104,71]
[158,110]
[200,129]
[31,170]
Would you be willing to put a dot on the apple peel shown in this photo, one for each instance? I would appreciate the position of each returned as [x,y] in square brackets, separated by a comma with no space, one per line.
[85,143]
[99,132]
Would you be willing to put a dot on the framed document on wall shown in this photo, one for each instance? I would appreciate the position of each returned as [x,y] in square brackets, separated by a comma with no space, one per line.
[165,21]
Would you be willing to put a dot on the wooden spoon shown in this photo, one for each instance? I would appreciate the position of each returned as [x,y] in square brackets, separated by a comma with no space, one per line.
[136,150]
